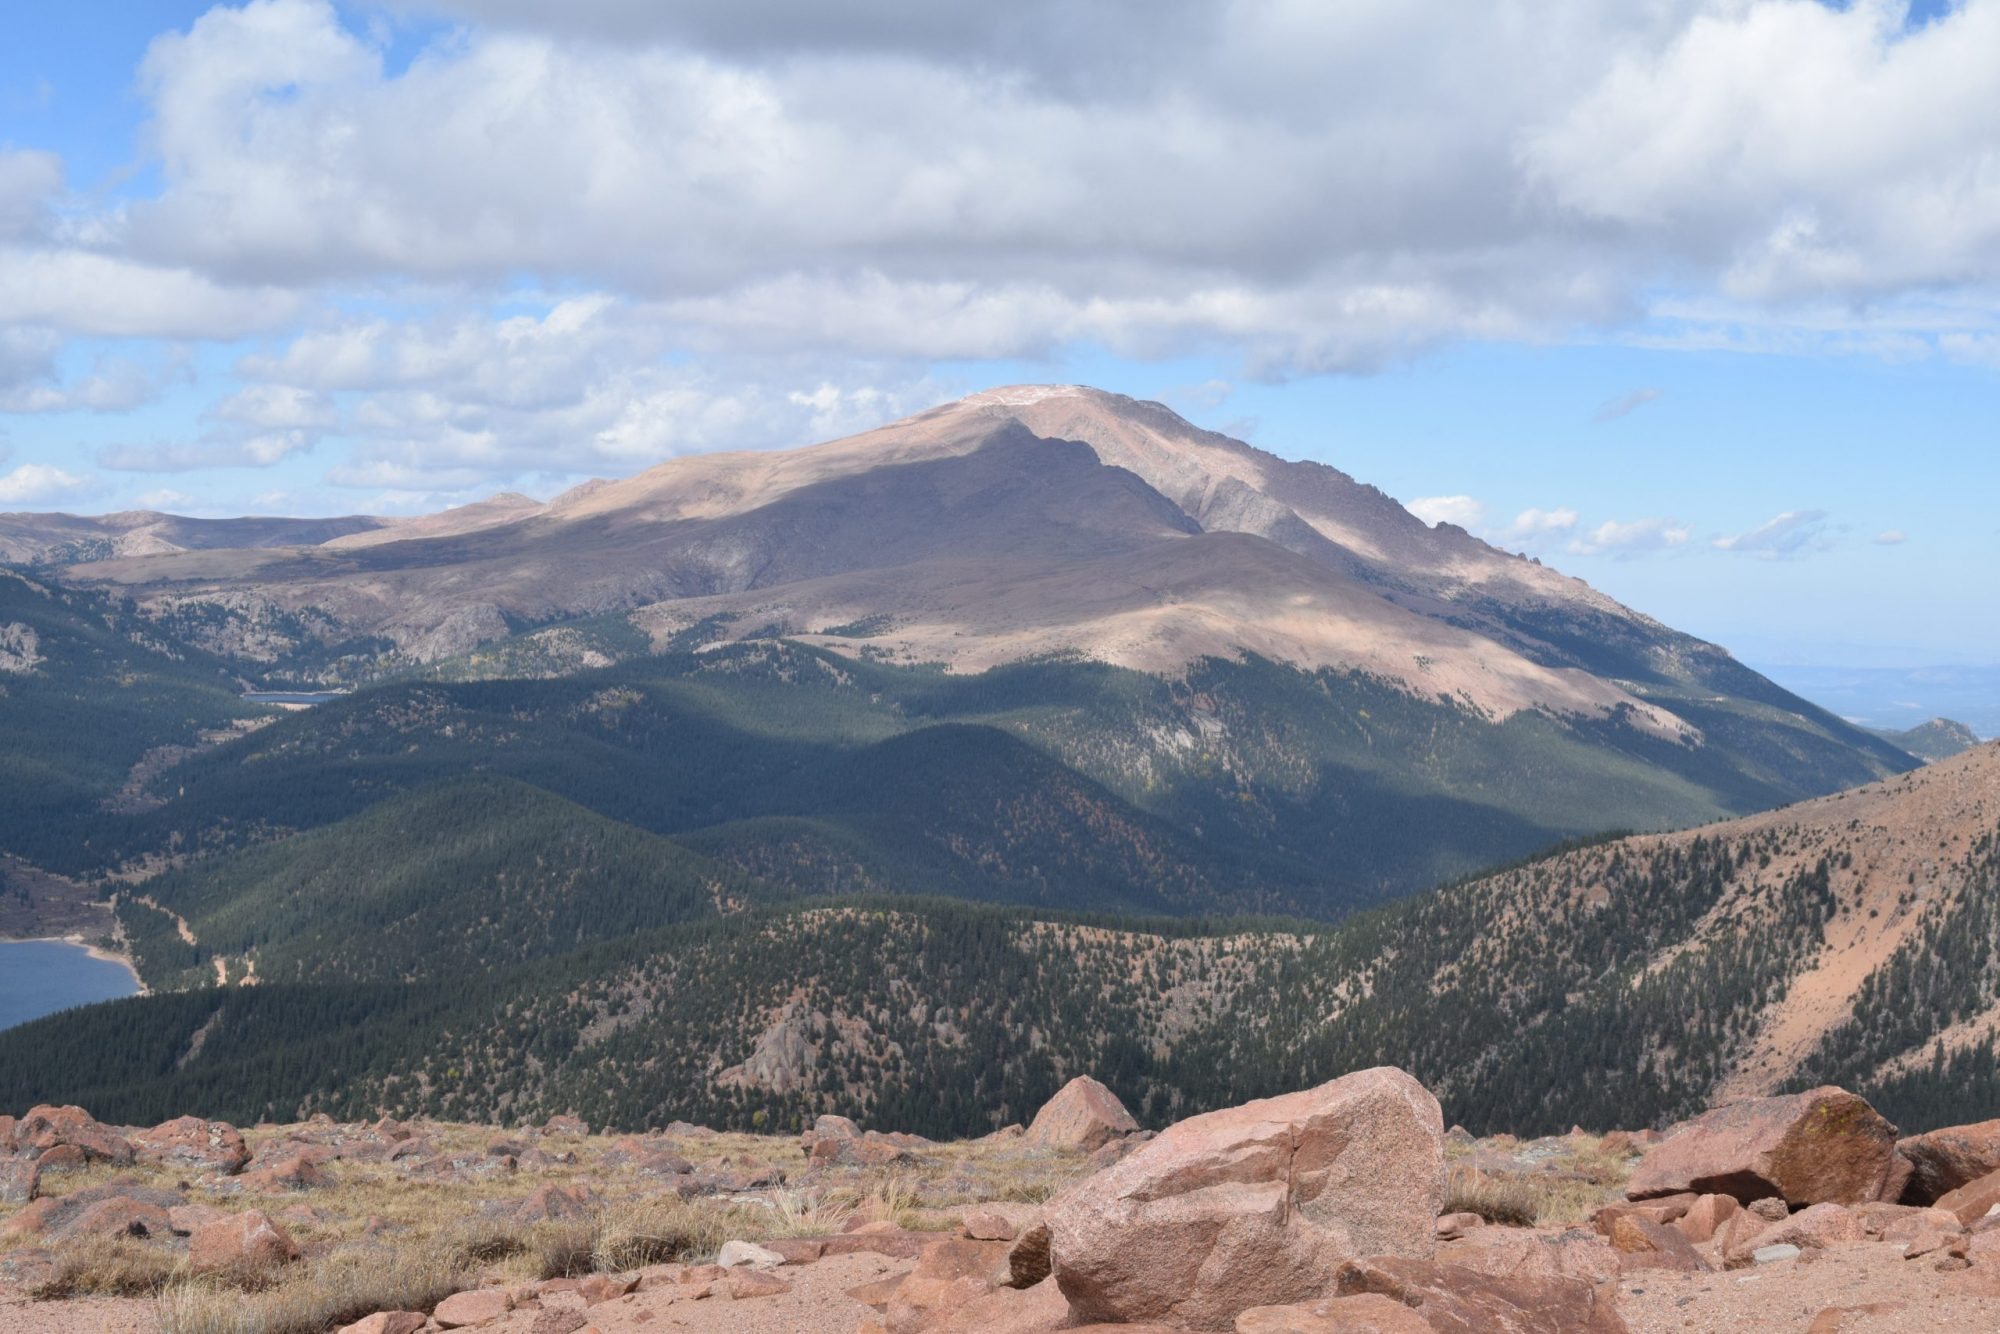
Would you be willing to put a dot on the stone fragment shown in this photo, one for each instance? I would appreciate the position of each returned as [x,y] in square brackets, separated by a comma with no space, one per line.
[1777,1253]
[1035,1310]
[573,1127]
[1645,1244]
[1813,1229]
[747,1254]
[1028,1260]
[1254,1205]
[1452,1226]
[1705,1217]
[295,1172]
[747,1283]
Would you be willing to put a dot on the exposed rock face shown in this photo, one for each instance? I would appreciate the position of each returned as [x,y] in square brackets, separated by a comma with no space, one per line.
[1943,1160]
[472,1308]
[245,1243]
[1805,1148]
[1256,1205]
[1084,1115]
[189,1141]
[1367,1313]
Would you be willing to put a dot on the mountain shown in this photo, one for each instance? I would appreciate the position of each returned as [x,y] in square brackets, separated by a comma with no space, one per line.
[1853,939]
[1938,739]
[1043,645]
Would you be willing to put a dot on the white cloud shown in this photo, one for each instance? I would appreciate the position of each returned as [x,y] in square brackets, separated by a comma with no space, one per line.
[1636,537]
[39,483]
[1314,187]
[1464,511]
[1531,523]
[1793,533]
[1891,537]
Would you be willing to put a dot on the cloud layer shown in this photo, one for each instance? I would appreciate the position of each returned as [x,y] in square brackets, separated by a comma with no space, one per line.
[584,237]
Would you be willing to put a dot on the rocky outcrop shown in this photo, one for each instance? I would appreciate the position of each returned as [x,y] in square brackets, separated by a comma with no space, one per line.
[1084,1115]
[189,1141]
[45,1128]
[1806,1148]
[1254,1205]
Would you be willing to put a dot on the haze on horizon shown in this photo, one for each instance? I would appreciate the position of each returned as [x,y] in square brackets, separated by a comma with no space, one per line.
[1695,300]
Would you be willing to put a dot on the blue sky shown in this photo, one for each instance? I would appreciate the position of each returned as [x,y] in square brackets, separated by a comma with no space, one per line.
[1705,294]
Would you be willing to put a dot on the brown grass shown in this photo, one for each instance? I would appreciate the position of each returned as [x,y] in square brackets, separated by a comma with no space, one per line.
[108,1267]
[318,1295]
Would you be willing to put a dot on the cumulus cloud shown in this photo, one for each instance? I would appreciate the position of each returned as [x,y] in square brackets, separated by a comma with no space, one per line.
[40,483]
[1793,533]
[1625,404]
[1315,187]
[1633,538]
[1534,523]
[1465,511]
[1891,537]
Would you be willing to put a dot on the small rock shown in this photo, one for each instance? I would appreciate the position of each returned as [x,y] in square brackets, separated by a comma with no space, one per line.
[1774,1254]
[747,1254]
[572,1126]
[242,1244]
[472,1308]
[748,1283]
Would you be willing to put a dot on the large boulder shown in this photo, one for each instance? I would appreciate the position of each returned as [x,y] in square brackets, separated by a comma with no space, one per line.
[47,1127]
[1256,1205]
[189,1141]
[1943,1160]
[1804,1148]
[1083,1115]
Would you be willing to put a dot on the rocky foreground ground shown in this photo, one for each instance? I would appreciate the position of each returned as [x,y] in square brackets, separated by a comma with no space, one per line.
[1346,1207]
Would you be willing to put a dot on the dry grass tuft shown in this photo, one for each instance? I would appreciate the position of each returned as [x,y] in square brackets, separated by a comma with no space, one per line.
[1507,1200]
[109,1267]
[668,1229]
[319,1295]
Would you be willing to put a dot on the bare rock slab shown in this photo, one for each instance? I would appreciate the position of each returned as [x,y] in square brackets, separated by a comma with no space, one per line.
[1256,1205]
[1805,1148]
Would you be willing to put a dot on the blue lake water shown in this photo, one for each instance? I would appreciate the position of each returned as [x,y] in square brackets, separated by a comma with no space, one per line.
[307,697]
[39,977]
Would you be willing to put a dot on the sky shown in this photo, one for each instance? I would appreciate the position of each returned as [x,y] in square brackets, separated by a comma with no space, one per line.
[1696,299]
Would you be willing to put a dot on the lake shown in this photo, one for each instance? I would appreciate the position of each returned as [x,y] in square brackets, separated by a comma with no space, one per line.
[39,977]
[302,697]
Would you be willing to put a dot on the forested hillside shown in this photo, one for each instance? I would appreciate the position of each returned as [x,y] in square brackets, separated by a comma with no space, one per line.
[1620,983]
